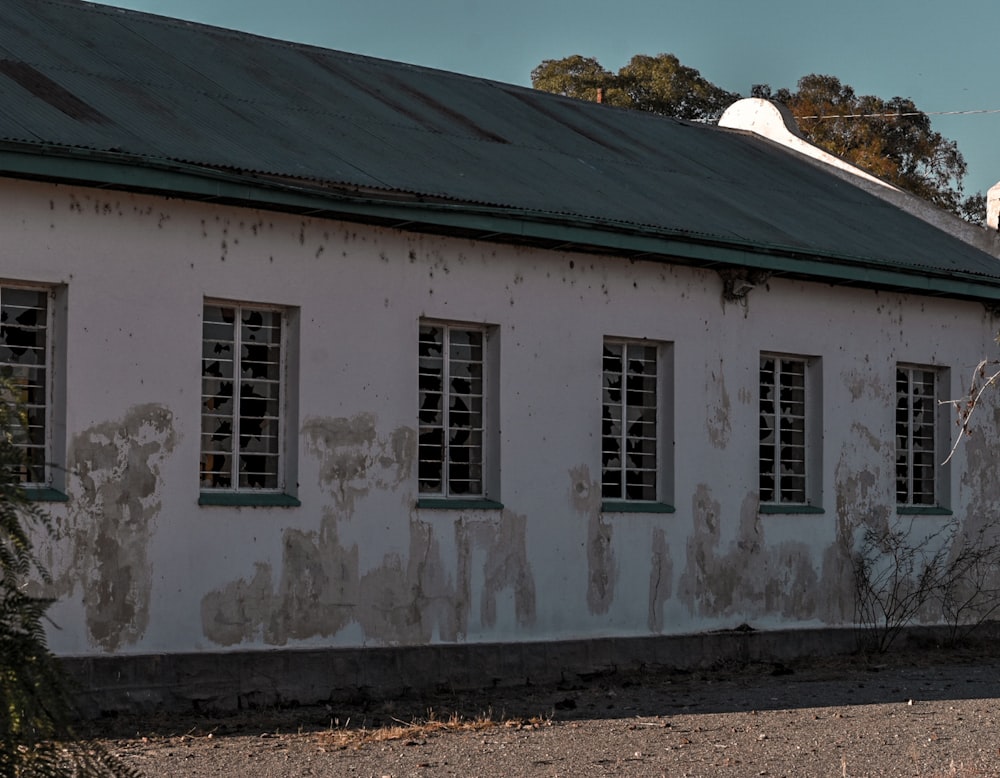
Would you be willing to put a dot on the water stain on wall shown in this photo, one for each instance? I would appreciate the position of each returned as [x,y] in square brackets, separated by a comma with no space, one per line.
[116,498]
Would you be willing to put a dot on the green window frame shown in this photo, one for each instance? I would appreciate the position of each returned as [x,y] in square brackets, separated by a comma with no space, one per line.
[26,363]
[244,401]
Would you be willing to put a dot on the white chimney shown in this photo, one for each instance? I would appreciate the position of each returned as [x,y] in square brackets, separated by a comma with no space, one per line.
[993,207]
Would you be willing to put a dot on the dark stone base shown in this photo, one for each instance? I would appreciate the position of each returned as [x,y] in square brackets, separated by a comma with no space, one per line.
[249,679]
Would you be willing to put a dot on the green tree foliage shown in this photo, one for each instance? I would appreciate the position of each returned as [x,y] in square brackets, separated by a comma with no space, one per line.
[574,76]
[36,702]
[659,84]
[662,85]
[973,209]
[891,139]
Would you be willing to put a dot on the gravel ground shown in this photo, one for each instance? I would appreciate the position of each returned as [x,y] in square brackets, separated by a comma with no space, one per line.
[926,714]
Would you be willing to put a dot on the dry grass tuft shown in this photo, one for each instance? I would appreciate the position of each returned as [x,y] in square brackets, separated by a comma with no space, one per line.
[345,736]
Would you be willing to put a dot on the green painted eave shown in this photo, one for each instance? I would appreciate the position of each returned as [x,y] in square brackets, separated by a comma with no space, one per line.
[565,232]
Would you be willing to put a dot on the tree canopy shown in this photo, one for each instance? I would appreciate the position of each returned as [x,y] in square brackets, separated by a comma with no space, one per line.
[892,139]
[659,84]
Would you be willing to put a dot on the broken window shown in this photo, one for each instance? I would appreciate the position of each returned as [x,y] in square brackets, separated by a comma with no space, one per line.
[916,453]
[24,362]
[452,415]
[242,370]
[783,449]
[629,421]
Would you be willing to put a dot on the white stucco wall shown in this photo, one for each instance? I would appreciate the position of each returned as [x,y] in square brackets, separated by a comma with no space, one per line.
[140,567]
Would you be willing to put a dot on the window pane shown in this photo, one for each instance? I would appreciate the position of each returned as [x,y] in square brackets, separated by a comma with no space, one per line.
[452,418]
[241,398]
[782,427]
[629,421]
[916,404]
[24,363]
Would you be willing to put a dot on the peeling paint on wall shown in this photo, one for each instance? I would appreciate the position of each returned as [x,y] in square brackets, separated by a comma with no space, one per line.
[321,590]
[234,614]
[115,502]
[506,565]
[660,579]
[750,578]
[702,548]
[405,600]
[408,598]
[602,572]
[354,459]
[718,413]
[980,523]
[981,476]
[868,384]
[861,500]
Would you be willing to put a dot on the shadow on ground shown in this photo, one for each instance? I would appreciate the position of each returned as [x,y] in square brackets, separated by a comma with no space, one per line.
[930,675]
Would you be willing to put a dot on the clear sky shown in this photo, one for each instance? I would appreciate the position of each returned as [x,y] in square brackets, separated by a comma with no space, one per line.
[944,56]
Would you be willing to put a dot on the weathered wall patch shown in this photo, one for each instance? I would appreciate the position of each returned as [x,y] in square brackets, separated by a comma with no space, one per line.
[116,488]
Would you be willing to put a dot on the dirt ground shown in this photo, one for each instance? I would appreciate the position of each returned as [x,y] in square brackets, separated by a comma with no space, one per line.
[913,714]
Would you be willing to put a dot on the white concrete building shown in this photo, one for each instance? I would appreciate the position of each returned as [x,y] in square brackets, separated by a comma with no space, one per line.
[329,353]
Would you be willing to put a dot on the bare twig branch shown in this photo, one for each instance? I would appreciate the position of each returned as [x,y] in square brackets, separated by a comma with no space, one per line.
[967,405]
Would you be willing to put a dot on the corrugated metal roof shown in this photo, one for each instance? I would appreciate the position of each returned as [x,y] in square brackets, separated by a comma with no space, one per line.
[155,89]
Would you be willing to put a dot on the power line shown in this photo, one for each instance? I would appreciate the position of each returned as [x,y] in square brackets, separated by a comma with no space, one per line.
[899,114]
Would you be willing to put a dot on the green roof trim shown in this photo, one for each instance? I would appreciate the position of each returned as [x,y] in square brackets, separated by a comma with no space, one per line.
[565,232]
[426,150]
